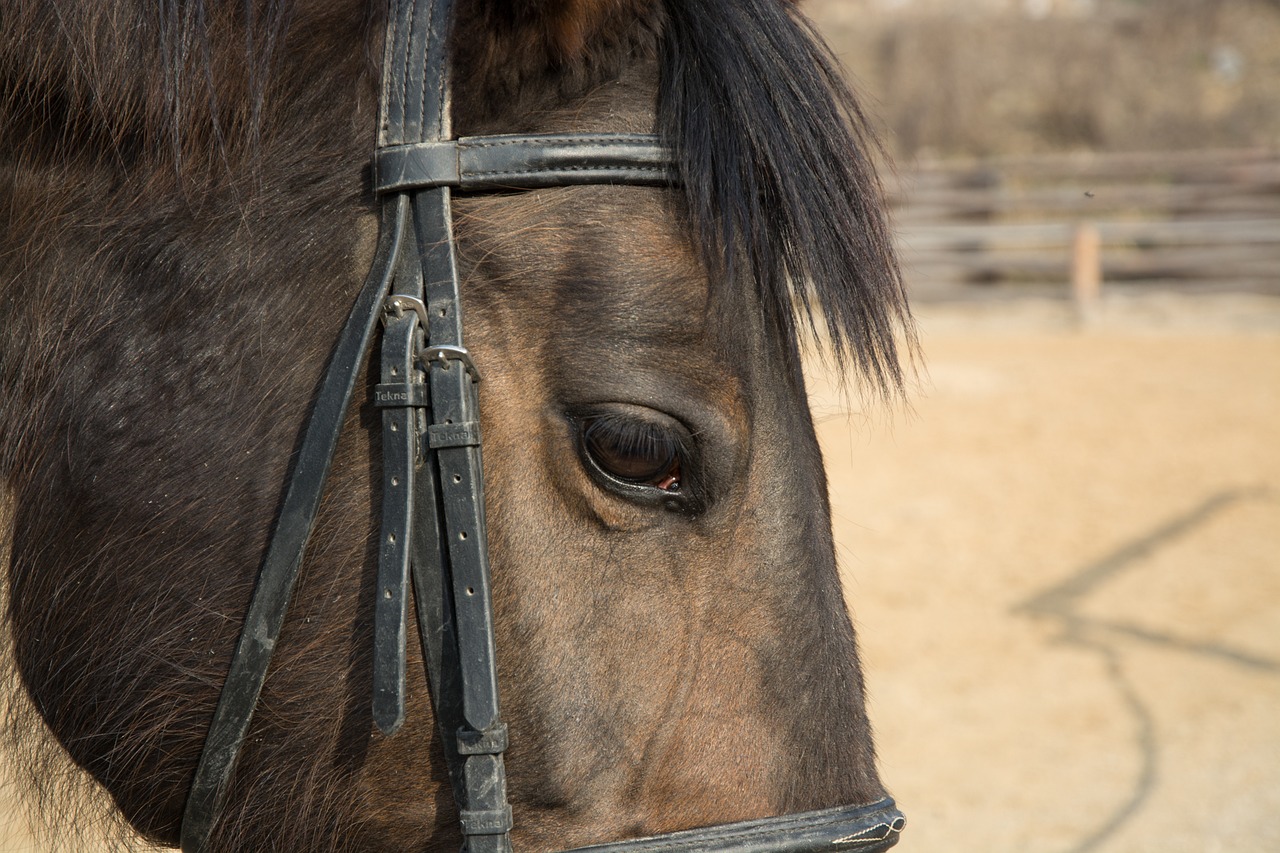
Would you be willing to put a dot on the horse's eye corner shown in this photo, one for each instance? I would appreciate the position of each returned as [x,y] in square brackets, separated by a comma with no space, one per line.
[636,458]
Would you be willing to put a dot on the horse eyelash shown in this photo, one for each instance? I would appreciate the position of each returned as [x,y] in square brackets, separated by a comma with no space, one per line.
[633,434]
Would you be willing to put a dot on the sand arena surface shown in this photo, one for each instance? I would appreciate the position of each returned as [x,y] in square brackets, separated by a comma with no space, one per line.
[1063,566]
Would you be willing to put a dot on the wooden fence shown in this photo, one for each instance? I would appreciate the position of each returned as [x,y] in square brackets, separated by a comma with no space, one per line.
[1204,221]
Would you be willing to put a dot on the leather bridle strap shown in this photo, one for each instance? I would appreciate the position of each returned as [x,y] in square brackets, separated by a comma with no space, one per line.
[279,571]
[432,501]
[864,829]
[489,163]
[446,448]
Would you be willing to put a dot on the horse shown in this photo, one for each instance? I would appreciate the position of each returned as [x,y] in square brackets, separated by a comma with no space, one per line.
[188,213]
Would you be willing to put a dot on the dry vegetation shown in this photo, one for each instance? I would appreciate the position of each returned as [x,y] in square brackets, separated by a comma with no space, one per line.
[963,78]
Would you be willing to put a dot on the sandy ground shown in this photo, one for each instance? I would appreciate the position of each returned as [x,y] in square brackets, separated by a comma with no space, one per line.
[1063,562]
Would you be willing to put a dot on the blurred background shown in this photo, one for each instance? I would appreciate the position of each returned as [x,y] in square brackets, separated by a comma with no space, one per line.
[1063,551]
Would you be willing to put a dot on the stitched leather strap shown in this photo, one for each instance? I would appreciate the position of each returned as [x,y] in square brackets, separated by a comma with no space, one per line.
[455,413]
[525,162]
[417,92]
[863,829]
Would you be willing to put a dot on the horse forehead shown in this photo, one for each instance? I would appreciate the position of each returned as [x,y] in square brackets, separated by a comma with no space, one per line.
[603,259]
[605,285]
[636,262]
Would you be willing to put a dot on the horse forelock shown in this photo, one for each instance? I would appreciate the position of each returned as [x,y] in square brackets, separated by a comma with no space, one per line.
[776,156]
[569,27]
[777,160]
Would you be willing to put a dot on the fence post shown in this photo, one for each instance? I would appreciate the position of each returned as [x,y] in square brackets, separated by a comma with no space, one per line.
[1086,271]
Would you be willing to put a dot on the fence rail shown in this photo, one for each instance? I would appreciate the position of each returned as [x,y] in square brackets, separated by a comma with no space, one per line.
[1194,220]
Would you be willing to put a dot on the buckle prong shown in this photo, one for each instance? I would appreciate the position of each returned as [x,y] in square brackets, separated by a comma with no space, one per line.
[444,353]
[398,304]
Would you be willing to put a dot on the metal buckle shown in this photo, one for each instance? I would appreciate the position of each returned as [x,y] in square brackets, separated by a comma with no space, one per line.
[398,304]
[444,353]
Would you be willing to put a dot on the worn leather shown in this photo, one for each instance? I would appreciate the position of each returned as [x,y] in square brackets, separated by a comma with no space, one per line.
[865,829]
[400,394]
[279,570]
[455,413]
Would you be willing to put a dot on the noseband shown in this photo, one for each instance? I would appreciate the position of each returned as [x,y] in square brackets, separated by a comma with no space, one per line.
[433,526]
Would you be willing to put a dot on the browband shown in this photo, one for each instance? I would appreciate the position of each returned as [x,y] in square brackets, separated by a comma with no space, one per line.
[524,162]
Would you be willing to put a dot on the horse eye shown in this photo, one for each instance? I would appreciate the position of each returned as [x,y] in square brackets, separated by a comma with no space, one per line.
[635,452]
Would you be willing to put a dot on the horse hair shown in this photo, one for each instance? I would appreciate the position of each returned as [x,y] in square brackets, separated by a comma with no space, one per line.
[180,118]
[776,163]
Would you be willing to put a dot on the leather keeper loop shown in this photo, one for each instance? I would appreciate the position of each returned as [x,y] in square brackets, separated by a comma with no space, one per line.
[400,395]
[440,436]
[485,821]
[490,742]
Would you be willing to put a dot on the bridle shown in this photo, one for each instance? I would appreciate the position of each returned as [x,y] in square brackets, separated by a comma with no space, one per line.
[433,526]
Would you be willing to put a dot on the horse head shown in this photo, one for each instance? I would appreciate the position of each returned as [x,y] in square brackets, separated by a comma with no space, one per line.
[188,216]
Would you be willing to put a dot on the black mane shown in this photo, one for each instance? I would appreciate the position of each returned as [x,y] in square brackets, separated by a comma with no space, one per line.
[775,158]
